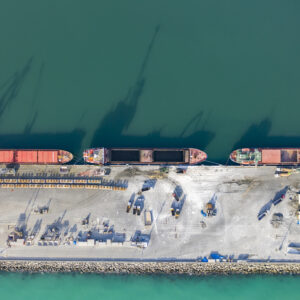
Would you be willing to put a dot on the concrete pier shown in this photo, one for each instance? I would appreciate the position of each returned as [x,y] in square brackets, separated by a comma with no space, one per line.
[94,224]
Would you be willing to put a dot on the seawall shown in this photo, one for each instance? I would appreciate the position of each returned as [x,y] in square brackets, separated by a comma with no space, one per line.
[186,268]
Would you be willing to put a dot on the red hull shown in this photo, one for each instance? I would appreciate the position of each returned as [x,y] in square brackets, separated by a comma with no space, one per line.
[38,156]
[266,156]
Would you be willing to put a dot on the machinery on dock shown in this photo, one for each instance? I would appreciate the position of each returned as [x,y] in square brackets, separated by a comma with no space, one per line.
[286,172]
[129,205]
[148,217]
[62,183]
[210,210]
[176,209]
[41,210]
[15,235]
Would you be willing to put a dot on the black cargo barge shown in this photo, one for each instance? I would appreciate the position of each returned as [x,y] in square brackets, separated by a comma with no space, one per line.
[159,156]
[144,156]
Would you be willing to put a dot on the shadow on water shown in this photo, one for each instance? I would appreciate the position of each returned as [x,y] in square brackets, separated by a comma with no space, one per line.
[38,86]
[110,132]
[9,91]
[12,86]
[257,135]
[67,141]
[35,100]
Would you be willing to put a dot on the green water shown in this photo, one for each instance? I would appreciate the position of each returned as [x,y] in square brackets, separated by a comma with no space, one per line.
[210,74]
[20,286]
[214,74]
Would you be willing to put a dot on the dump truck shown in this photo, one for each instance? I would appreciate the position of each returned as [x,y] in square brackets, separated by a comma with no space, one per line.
[148,217]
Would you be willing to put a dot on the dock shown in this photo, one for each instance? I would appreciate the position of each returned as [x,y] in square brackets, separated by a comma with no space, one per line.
[224,213]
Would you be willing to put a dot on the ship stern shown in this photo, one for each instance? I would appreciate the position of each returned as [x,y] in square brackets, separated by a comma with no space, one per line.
[94,156]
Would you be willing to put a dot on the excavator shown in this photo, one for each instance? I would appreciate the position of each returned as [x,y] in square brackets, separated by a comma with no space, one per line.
[209,211]
[15,235]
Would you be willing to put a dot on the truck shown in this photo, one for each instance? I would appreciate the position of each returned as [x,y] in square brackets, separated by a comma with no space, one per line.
[148,217]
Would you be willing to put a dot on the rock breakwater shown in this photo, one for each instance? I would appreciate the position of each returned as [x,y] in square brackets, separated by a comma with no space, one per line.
[187,268]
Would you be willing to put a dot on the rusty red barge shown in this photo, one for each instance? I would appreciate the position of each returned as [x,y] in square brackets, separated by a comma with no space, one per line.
[266,156]
[37,156]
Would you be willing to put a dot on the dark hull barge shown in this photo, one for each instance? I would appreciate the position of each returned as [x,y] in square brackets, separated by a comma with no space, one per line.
[141,156]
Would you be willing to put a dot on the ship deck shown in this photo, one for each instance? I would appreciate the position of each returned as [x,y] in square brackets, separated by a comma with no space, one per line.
[168,156]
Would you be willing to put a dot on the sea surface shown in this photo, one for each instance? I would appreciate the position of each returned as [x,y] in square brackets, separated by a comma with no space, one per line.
[209,74]
[214,75]
[68,286]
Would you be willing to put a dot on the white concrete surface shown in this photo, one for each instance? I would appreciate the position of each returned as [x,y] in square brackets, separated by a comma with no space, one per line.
[240,193]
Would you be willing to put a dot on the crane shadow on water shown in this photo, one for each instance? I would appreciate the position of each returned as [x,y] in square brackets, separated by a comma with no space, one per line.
[9,91]
[257,135]
[110,131]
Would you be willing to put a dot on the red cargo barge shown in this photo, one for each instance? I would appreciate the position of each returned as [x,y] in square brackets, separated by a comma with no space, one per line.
[151,156]
[39,157]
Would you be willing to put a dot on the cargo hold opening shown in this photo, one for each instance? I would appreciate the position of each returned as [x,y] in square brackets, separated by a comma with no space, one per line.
[168,156]
[289,156]
[125,155]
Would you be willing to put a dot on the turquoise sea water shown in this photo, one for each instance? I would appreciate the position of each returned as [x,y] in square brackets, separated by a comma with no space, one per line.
[214,74]
[67,286]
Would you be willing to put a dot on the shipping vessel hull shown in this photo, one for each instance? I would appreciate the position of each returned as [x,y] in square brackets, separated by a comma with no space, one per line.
[153,156]
[266,156]
[35,156]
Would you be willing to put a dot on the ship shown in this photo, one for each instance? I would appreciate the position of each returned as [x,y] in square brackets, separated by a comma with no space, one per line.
[37,156]
[144,156]
[266,156]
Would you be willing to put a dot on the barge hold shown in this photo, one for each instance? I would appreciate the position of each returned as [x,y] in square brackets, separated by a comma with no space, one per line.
[266,156]
[37,156]
[152,156]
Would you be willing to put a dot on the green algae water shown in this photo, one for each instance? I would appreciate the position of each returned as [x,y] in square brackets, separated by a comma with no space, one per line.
[214,75]
[67,286]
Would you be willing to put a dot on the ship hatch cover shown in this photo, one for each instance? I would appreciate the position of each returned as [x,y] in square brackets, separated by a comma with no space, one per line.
[168,156]
[271,156]
[125,155]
